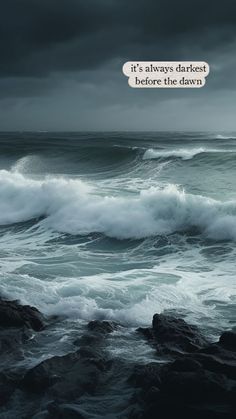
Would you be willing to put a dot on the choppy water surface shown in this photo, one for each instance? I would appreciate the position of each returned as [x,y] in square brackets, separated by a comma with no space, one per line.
[119,226]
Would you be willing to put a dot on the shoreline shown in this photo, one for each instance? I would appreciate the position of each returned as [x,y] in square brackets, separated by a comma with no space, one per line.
[198,378]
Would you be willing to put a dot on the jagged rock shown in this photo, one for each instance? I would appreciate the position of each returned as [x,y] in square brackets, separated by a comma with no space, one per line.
[97,330]
[185,364]
[12,314]
[64,411]
[197,379]
[12,339]
[194,386]
[67,377]
[17,326]
[7,387]
[200,382]
[228,340]
[173,335]
[146,376]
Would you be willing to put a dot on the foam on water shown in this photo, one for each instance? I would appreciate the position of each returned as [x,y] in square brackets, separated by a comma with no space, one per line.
[182,153]
[71,206]
[225,137]
[132,296]
[26,164]
[183,260]
[118,236]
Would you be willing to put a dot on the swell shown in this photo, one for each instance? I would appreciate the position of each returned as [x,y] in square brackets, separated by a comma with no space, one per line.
[38,153]
[84,159]
[74,207]
[113,159]
[77,149]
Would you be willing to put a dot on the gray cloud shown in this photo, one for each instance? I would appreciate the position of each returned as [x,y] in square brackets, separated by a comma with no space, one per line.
[61,60]
[38,37]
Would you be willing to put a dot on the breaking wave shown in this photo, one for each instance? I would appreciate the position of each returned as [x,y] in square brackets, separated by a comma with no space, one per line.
[225,137]
[72,206]
[184,154]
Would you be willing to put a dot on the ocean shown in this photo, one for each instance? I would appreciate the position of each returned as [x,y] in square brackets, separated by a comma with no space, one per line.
[118,226]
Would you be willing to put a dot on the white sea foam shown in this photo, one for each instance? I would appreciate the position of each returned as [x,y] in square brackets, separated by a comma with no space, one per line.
[225,137]
[71,206]
[132,297]
[183,153]
[25,164]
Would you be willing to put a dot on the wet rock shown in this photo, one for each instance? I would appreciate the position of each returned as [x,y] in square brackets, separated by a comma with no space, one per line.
[64,411]
[12,314]
[228,340]
[174,409]
[219,357]
[152,395]
[7,387]
[96,332]
[196,380]
[17,326]
[185,364]
[217,364]
[67,377]
[195,386]
[12,339]
[200,382]
[146,376]
[173,335]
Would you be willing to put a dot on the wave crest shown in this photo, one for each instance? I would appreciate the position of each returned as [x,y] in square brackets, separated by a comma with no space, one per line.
[71,206]
[183,153]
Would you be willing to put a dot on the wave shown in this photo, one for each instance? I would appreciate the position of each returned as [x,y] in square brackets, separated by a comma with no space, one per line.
[184,154]
[71,206]
[26,164]
[225,137]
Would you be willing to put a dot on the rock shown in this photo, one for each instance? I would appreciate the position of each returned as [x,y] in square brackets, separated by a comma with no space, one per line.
[12,314]
[172,335]
[219,357]
[12,339]
[147,332]
[228,340]
[185,364]
[217,364]
[174,409]
[146,376]
[67,377]
[174,331]
[195,386]
[200,382]
[195,379]
[97,330]
[152,395]
[17,326]
[64,411]
[43,375]
[7,387]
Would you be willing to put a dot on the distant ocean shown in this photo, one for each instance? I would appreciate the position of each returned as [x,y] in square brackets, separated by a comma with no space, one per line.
[119,226]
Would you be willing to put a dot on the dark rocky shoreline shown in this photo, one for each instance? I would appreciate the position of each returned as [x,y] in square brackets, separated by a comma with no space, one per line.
[197,381]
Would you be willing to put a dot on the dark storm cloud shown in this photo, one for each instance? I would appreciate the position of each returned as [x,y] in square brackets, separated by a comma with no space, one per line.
[61,63]
[38,37]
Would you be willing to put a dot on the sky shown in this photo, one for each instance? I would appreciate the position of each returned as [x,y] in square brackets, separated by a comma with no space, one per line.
[61,64]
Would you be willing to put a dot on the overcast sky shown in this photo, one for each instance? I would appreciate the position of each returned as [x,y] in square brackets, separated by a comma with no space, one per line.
[61,64]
